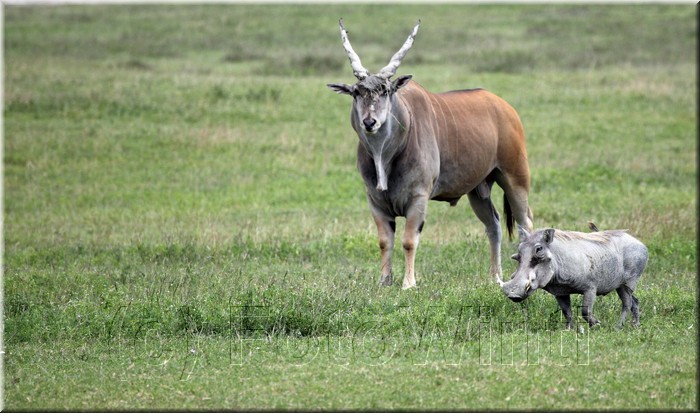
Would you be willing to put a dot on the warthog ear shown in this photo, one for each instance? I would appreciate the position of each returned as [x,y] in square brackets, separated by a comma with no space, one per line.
[400,82]
[341,88]
[548,235]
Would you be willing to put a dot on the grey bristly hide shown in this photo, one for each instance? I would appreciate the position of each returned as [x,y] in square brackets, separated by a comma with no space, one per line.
[568,262]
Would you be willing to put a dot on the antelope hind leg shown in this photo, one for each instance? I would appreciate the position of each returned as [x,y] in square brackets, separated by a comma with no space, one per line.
[480,201]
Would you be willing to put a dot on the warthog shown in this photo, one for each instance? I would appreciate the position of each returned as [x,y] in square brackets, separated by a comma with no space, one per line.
[569,262]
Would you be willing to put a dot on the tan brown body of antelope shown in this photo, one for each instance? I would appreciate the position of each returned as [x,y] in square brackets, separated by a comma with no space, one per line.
[454,139]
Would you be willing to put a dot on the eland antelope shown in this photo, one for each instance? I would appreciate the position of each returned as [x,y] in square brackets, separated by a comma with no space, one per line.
[416,145]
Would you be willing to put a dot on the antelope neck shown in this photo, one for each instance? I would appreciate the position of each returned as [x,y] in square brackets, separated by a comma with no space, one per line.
[388,141]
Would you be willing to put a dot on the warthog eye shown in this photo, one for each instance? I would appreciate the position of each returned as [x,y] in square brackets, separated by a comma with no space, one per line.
[539,251]
[539,256]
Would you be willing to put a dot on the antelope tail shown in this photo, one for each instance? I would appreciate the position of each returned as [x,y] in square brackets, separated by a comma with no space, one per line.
[510,222]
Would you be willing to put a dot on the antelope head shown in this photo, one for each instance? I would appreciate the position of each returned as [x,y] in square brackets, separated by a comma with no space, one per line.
[372,94]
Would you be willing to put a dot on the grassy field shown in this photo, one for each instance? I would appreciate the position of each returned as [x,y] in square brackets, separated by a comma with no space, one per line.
[184,225]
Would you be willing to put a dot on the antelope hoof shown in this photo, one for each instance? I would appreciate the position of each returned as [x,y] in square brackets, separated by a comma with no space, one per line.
[407,286]
[386,280]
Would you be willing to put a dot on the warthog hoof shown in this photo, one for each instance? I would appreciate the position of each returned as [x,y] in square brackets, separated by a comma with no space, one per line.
[386,280]
[634,324]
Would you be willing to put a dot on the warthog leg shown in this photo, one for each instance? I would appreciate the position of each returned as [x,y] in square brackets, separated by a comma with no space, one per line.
[587,308]
[565,305]
[629,302]
[635,311]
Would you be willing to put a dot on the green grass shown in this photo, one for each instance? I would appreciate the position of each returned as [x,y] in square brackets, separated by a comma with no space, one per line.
[184,225]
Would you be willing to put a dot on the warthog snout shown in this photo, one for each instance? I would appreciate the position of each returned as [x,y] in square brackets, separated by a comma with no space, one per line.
[516,298]
[514,291]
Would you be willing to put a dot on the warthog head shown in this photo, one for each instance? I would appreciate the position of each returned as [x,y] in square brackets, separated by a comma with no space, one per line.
[534,264]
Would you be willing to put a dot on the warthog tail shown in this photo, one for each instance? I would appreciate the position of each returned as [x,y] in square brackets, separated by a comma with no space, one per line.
[510,222]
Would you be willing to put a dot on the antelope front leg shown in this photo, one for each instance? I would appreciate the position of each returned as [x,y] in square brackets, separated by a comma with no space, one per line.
[386,227]
[414,225]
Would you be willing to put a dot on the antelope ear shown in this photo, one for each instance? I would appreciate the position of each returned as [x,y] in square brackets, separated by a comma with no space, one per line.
[341,88]
[548,235]
[401,82]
